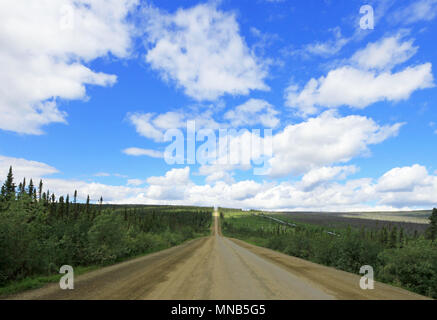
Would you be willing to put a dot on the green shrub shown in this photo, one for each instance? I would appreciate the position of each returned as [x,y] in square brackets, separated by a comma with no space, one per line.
[413,267]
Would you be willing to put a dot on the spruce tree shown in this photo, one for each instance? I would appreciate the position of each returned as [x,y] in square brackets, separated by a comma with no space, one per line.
[30,189]
[76,209]
[20,190]
[393,239]
[52,205]
[67,205]
[87,205]
[401,238]
[22,187]
[383,236]
[61,207]
[431,232]
[9,185]
[3,192]
[40,190]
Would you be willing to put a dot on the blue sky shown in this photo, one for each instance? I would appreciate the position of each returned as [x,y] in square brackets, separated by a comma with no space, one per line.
[352,111]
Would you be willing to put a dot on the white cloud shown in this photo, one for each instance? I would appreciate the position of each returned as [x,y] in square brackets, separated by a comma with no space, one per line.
[404,179]
[169,120]
[45,47]
[145,127]
[23,168]
[359,87]
[327,48]
[321,175]
[328,196]
[152,126]
[202,51]
[143,152]
[93,189]
[217,175]
[325,140]
[172,186]
[253,111]
[407,186]
[399,188]
[298,149]
[172,177]
[421,10]
[106,174]
[385,54]
[35,170]
[135,182]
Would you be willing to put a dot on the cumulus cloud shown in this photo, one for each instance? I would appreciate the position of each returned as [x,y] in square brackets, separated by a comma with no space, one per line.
[216,175]
[407,186]
[321,189]
[24,168]
[327,48]
[145,128]
[45,48]
[153,126]
[143,152]
[385,54]
[321,175]
[237,150]
[252,112]
[330,195]
[172,186]
[106,174]
[172,177]
[325,140]
[201,49]
[365,80]
[84,188]
[350,195]
[404,179]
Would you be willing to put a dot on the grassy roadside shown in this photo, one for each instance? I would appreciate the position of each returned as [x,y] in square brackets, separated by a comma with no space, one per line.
[36,282]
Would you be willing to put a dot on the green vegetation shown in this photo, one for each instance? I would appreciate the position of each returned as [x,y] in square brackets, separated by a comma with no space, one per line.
[432,230]
[398,258]
[34,282]
[39,233]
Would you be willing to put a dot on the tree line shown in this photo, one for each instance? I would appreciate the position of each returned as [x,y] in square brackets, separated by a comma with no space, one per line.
[40,232]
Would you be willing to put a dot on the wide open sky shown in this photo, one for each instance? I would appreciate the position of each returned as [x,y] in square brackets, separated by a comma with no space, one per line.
[89,88]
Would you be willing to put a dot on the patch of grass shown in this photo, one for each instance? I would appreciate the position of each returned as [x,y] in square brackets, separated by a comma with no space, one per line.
[38,281]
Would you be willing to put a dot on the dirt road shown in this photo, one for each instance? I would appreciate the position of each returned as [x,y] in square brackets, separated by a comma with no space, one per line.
[216,267]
